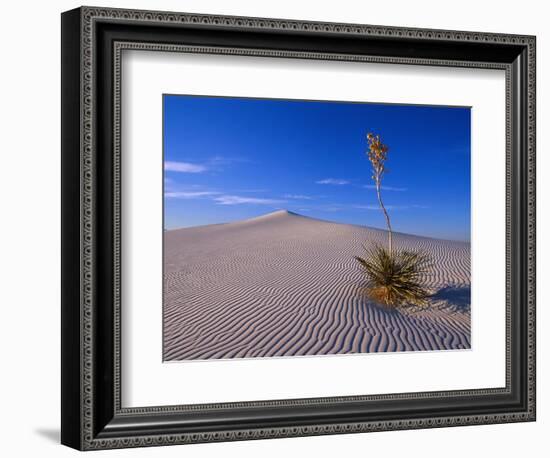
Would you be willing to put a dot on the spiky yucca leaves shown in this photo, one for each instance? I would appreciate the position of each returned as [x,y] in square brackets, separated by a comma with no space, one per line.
[395,277]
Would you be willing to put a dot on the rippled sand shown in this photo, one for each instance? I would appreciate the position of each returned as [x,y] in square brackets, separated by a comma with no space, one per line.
[285,285]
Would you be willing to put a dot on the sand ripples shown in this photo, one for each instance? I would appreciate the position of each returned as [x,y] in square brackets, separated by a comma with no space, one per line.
[285,285]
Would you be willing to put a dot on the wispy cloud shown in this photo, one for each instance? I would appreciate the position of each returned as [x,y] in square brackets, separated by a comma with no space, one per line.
[385,188]
[238,200]
[225,160]
[184,167]
[328,207]
[368,207]
[335,181]
[333,208]
[190,194]
[297,197]
[249,190]
[213,164]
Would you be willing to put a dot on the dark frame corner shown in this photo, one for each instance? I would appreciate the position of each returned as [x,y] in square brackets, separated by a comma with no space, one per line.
[92,40]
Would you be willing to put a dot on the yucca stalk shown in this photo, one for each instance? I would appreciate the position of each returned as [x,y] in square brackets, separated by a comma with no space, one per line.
[377,154]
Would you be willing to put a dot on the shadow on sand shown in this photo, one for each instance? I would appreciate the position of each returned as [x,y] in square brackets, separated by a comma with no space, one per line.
[457,298]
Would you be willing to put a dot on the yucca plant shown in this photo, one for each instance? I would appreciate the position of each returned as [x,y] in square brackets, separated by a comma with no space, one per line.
[395,278]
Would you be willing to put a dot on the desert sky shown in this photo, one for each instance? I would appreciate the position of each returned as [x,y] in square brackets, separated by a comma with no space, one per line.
[230,159]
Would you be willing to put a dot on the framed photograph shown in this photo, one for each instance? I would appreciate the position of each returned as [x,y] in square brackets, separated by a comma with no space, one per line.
[276,228]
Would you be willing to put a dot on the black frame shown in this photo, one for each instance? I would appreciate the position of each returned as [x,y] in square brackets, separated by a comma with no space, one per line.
[92,42]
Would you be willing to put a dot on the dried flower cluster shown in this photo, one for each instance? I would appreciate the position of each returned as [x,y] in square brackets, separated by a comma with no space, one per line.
[377,154]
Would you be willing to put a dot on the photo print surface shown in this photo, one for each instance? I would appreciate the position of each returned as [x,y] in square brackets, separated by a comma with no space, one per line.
[308,228]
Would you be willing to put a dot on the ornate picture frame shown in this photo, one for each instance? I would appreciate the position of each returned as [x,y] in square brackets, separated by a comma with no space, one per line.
[93,416]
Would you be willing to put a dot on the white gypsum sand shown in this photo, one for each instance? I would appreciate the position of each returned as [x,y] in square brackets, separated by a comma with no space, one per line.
[284,285]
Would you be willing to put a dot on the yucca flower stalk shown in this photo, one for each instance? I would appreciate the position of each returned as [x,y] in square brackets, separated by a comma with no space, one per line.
[394,276]
[377,154]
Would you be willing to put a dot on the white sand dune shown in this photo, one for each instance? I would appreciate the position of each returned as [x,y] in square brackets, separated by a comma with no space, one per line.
[284,284]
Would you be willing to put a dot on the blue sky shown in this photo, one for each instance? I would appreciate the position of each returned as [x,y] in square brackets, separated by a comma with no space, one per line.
[228,159]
